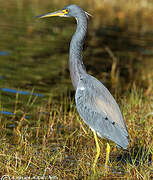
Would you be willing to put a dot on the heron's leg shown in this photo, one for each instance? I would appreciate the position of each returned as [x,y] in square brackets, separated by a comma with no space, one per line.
[107,156]
[98,151]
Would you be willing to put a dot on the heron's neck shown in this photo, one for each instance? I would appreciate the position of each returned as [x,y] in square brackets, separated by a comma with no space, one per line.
[76,65]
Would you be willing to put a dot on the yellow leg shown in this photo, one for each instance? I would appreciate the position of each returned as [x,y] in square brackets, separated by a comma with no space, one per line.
[98,151]
[107,156]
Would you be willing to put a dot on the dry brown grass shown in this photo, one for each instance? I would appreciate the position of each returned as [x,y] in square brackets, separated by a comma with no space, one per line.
[56,143]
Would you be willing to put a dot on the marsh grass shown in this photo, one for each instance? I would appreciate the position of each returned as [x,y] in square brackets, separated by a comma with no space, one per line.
[54,141]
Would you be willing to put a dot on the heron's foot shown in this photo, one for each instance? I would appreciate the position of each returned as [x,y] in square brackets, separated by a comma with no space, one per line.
[98,153]
[107,157]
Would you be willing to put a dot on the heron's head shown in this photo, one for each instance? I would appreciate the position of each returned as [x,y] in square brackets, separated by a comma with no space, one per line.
[67,11]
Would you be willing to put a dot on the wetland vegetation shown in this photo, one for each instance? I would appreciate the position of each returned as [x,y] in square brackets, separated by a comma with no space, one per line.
[44,136]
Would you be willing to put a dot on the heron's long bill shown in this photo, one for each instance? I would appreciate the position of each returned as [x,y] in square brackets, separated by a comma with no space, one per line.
[57,13]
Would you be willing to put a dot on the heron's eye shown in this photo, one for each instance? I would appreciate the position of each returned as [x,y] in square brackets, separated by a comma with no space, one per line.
[66,11]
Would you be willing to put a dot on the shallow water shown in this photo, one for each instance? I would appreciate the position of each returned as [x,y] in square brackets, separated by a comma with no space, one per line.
[34,55]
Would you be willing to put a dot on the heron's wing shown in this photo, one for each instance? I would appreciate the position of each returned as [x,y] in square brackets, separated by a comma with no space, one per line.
[100,111]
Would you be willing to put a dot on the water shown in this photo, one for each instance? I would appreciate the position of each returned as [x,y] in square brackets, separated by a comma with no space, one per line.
[34,54]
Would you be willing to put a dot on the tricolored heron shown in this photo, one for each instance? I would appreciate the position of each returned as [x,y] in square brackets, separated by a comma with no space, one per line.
[94,102]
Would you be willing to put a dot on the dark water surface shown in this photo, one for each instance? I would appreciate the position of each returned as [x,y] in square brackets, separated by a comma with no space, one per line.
[34,55]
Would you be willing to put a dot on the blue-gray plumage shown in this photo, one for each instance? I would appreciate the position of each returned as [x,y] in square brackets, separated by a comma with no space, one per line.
[95,104]
[100,111]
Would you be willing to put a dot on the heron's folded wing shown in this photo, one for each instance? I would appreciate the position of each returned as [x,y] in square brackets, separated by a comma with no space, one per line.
[98,108]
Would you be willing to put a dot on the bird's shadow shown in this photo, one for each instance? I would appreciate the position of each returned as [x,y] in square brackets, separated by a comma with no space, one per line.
[136,155]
